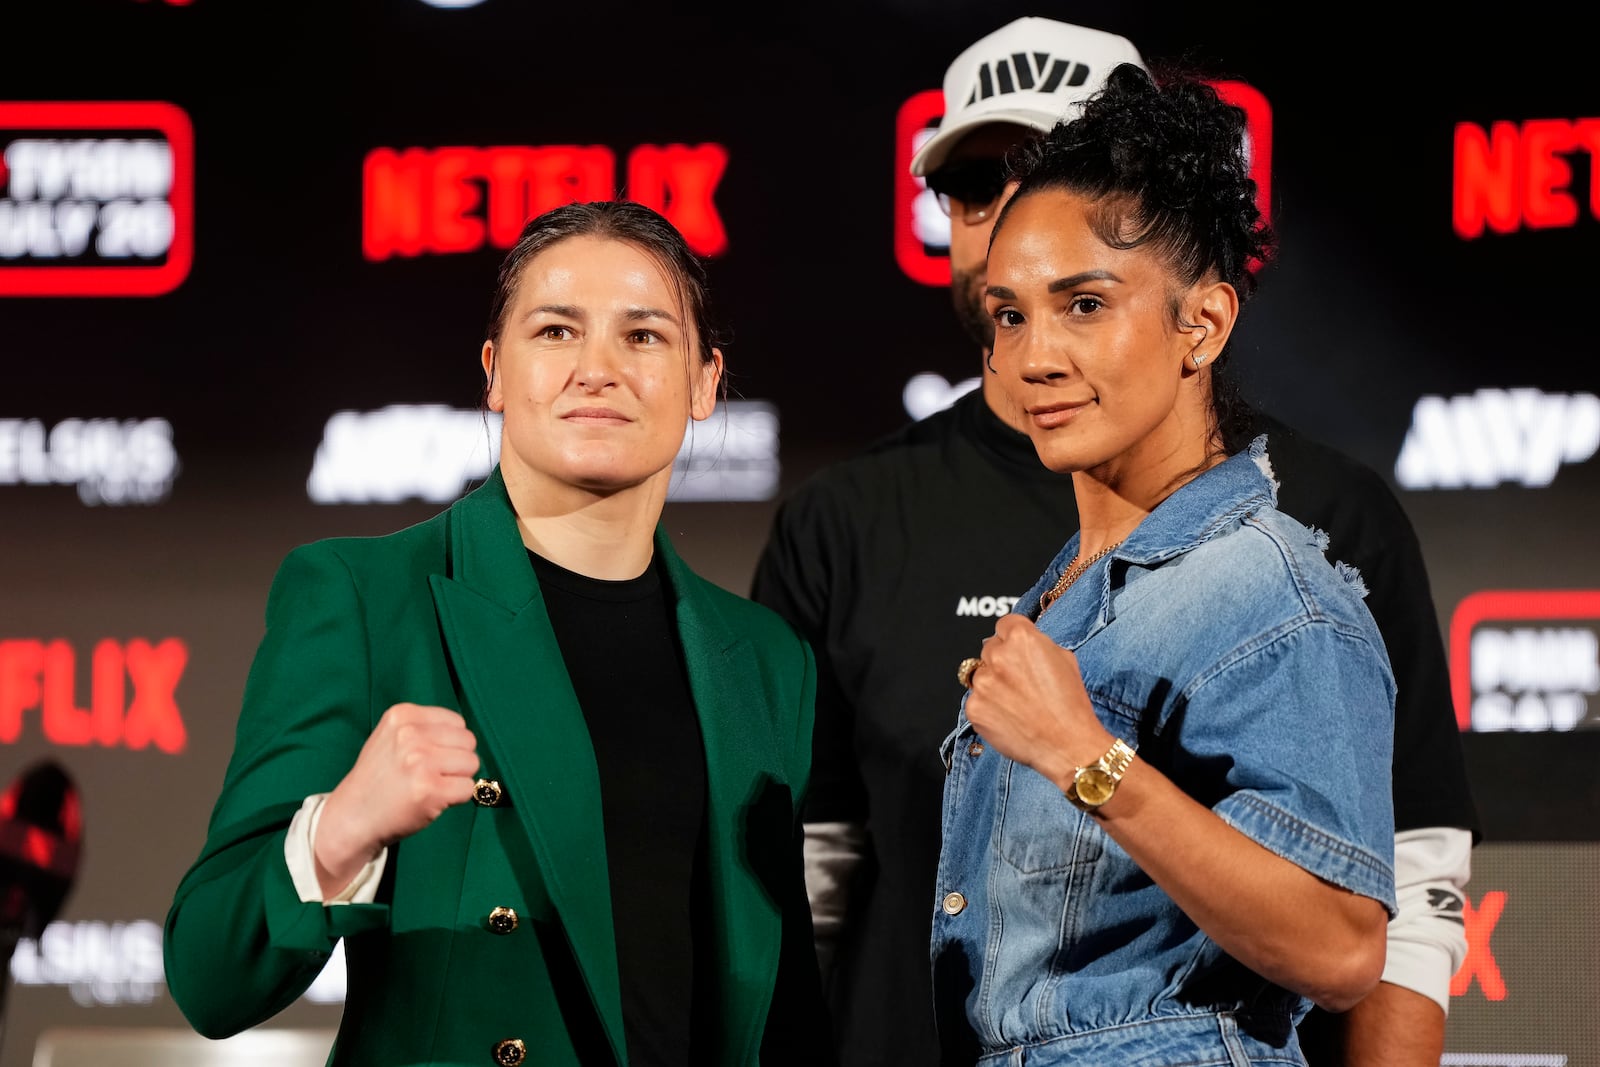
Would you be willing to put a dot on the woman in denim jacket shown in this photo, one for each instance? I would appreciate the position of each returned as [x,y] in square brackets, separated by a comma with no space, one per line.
[1167,820]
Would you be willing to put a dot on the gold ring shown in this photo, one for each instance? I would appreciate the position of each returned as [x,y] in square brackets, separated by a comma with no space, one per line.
[964,672]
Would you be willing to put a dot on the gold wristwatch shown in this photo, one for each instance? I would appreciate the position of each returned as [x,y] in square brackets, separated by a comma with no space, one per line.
[1095,784]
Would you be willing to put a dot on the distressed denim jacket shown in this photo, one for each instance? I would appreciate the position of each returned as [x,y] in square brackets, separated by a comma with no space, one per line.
[1221,643]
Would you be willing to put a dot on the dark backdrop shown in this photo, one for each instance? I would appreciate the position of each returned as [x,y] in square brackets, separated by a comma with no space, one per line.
[1376,302]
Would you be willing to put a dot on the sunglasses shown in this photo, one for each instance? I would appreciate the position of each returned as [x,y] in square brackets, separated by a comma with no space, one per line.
[968,189]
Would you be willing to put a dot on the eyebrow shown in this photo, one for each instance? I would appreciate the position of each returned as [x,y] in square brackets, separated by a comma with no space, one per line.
[642,314]
[633,314]
[1071,281]
[562,310]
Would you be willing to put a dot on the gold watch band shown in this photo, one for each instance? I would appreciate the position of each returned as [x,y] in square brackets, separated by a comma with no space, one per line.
[1117,758]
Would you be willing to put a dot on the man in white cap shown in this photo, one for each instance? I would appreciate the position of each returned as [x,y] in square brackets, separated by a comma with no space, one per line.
[895,564]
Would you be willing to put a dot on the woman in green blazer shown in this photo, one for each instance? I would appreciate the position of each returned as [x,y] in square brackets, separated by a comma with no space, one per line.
[540,777]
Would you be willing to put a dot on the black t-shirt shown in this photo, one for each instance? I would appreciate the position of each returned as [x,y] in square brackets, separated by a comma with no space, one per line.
[620,645]
[895,565]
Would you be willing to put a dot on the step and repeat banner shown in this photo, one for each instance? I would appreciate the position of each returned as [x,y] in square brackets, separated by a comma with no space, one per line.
[246,255]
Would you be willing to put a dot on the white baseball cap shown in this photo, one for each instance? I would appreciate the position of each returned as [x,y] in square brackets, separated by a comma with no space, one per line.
[1029,72]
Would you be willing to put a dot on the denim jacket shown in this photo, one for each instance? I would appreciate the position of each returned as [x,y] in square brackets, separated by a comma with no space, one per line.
[1221,643]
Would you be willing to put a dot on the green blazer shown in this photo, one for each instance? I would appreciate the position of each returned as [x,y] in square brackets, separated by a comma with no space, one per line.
[448,612]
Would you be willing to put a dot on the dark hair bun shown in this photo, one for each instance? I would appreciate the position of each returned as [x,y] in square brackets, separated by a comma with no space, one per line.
[1171,158]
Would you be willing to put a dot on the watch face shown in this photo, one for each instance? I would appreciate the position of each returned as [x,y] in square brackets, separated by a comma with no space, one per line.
[1095,786]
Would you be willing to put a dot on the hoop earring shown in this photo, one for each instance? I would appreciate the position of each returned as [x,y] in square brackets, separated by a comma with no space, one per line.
[988,361]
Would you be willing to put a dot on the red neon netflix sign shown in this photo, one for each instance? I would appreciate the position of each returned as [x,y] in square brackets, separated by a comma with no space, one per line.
[42,676]
[1480,963]
[1511,176]
[443,201]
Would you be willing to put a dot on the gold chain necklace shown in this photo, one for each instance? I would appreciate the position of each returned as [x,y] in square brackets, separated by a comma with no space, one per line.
[1070,575]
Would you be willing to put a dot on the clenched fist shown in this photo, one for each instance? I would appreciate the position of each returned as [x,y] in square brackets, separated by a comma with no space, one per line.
[1029,703]
[416,762]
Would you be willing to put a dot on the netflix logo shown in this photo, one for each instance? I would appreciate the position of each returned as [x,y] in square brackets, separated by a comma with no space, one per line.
[131,686]
[1479,966]
[446,201]
[1511,176]
[1522,994]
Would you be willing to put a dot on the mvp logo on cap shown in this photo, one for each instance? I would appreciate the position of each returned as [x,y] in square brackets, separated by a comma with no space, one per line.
[1031,72]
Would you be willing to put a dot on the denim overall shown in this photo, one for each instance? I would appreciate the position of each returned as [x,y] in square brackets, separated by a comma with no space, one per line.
[1222,644]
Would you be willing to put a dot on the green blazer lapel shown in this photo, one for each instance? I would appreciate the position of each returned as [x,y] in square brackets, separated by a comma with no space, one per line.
[519,698]
[725,679]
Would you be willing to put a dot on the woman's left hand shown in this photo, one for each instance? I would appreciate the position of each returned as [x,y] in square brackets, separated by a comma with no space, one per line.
[1028,701]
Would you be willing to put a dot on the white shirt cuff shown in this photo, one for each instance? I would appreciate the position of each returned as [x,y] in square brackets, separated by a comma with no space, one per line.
[298,853]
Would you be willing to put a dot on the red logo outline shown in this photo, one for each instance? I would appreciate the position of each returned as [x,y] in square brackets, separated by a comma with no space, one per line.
[1507,604]
[922,108]
[913,116]
[174,125]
